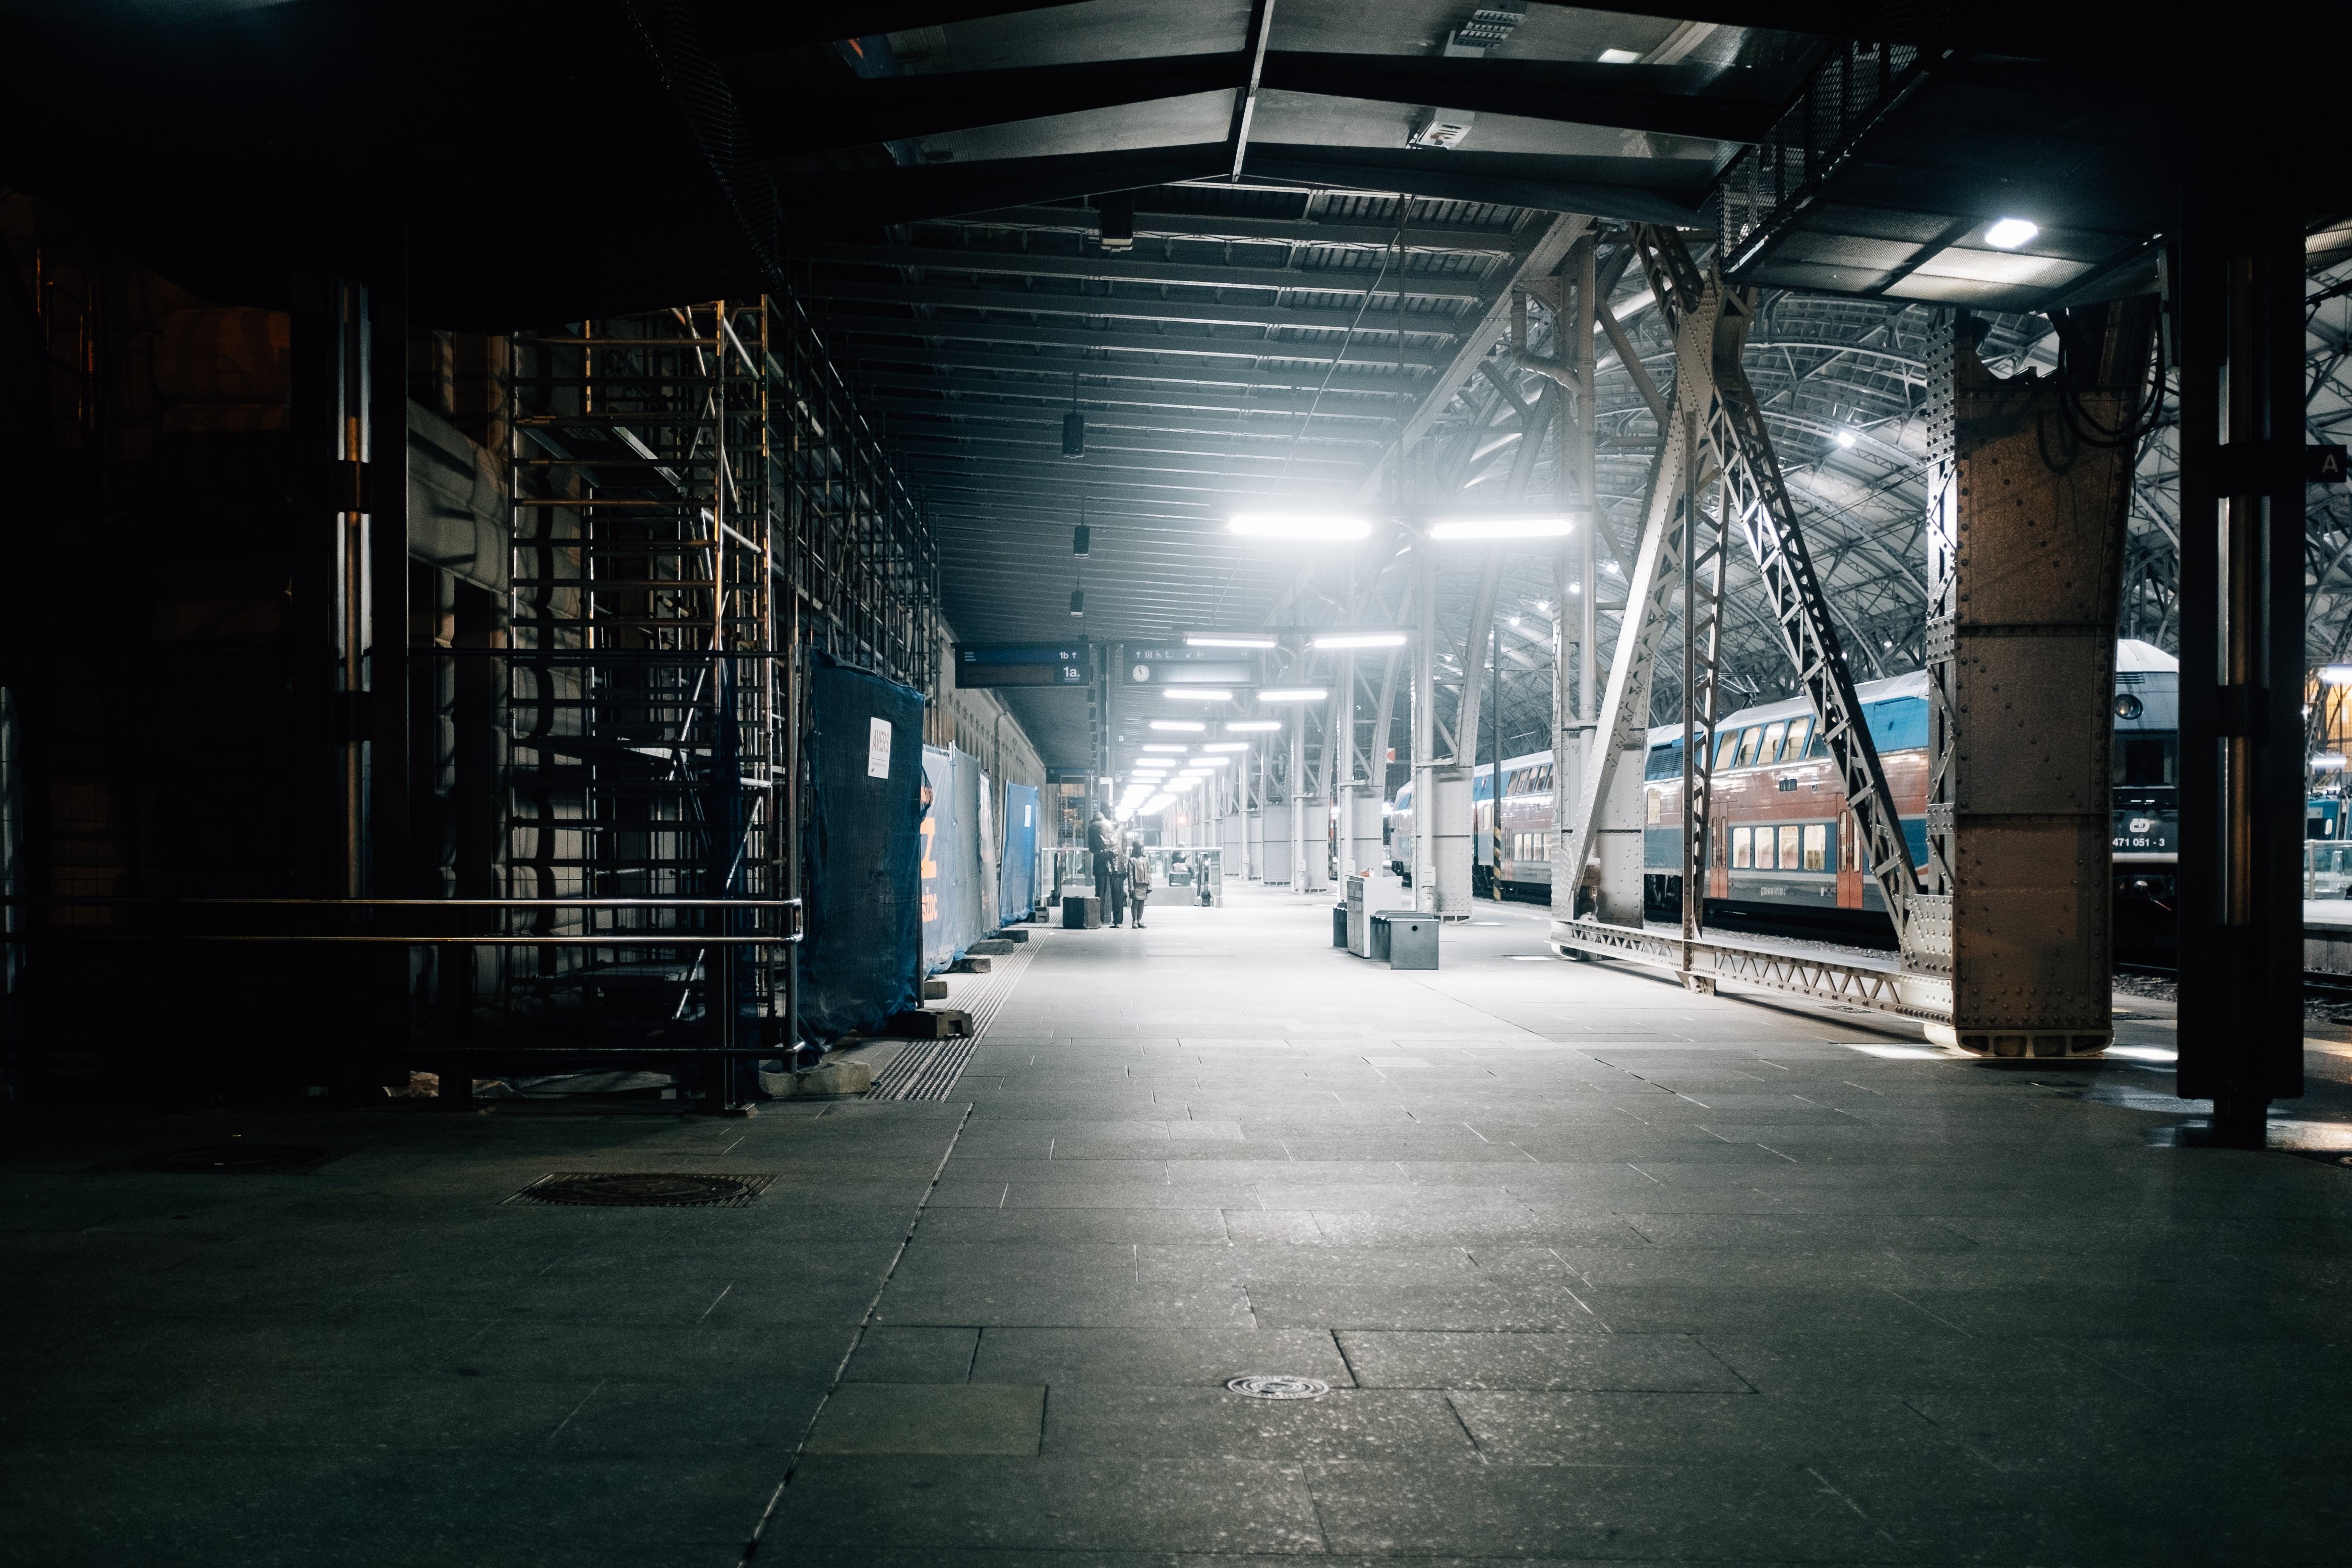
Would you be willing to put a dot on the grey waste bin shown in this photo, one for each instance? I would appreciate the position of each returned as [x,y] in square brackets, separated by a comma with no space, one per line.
[1081,913]
[1339,925]
[1406,938]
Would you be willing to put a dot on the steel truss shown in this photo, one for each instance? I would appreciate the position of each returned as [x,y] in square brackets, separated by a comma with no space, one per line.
[1757,501]
[1714,412]
[1704,965]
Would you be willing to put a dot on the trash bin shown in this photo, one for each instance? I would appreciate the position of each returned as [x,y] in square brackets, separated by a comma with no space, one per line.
[1339,925]
[1081,913]
[1406,938]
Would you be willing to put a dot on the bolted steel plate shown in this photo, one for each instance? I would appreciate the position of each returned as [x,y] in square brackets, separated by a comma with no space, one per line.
[1264,1386]
[234,1158]
[643,1189]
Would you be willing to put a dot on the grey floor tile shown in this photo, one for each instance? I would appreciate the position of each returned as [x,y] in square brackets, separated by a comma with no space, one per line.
[1137,1358]
[1106,1419]
[892,1355]
[1426,1358]
[1769,1514]
[929,1419]
[1049,1505]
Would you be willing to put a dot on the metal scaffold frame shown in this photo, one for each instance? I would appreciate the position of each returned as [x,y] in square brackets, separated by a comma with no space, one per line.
[645,698]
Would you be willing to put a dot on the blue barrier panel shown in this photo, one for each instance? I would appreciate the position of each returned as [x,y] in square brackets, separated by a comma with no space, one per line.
[861,959]
[938,862]
[1019,897]
[974,912]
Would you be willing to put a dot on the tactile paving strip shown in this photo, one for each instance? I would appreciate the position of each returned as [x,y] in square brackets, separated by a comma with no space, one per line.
[929,1070]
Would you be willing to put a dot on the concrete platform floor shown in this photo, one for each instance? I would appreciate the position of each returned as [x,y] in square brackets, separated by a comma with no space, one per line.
[1596,1271]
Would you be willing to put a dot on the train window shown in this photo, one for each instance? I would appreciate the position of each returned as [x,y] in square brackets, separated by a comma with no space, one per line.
[1741,849]
[1799,729]
[1723,747]
[1791,846]
[1650,800]
[1748,740]
[1773,735]
[1820,746]
[2146,757]
[1817,847]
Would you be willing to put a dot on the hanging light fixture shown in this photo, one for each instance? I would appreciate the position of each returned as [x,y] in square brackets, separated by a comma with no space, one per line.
[1074,425]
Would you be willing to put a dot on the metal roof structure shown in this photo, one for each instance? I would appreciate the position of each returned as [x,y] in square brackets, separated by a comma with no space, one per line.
[1266,249]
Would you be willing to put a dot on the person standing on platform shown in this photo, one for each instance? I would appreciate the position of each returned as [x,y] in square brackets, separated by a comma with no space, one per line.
[1102,838]
[1117,857]
[1138,880]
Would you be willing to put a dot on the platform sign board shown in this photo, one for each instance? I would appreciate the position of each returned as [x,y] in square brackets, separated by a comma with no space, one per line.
[2324,464]
[1023,664]
[1173,664]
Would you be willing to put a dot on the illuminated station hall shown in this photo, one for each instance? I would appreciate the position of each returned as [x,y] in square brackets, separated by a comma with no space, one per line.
[1108,784]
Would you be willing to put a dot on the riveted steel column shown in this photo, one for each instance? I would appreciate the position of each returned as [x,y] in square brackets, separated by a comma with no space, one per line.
[2029,482]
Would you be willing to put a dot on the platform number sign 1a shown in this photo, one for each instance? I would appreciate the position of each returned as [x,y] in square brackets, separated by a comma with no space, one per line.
[2323,464]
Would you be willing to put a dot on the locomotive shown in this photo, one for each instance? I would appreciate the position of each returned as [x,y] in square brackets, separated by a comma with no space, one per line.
[1785,852]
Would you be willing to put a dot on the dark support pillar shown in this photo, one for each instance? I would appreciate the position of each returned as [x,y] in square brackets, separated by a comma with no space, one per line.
[2235,285]
[387,851]
[350,549]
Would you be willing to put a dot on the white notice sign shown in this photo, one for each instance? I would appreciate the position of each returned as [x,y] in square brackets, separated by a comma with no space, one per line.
[877,749]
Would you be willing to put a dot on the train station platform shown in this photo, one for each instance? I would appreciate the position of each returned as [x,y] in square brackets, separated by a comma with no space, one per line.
[1585,1268]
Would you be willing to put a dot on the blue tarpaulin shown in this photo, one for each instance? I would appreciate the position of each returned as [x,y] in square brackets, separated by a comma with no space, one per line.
[1019,887]
[860,962]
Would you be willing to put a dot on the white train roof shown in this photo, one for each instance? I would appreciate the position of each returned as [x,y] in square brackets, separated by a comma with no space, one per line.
[2132,656]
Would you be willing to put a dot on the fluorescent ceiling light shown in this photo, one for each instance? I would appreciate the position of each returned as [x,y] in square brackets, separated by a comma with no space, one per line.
[1178,724]
[2328,763]
[1620,58]
[1845,438]
[1294,694]
[2009,233]
[2329,674]
[1153,748]
[1197,694]
[1550,525]
[1238,726]
[1227,745]
[1230,639]
[1298,525]
[1208,765]
[1362,639]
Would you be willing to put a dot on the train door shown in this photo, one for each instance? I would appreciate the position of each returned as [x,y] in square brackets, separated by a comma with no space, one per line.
[1849,864]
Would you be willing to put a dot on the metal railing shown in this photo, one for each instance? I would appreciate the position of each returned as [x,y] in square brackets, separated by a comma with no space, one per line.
[467,1000]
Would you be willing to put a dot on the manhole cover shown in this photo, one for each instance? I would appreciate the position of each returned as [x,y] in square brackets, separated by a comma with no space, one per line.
[635,1190]
[1261,1387]
[236,1158]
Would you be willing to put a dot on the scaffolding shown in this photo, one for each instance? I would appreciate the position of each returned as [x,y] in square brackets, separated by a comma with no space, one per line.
[696,507]
[647,747]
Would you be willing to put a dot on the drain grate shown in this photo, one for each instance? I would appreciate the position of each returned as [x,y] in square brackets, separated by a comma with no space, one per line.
[1261,1386]
[643,1190]
[236,1158]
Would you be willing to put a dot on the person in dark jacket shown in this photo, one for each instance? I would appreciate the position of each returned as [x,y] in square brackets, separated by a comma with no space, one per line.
[1110,867]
